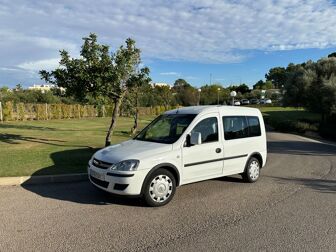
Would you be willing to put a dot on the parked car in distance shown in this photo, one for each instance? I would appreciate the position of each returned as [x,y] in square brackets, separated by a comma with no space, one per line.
[254,101]
[237,103]
[262,101]
[183,146]
[244,102]
[268,101]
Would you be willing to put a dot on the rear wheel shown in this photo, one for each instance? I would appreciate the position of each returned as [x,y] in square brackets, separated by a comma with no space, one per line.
[159,188]
[252,170]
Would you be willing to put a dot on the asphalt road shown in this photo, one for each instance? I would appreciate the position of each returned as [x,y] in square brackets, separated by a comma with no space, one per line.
[291,207]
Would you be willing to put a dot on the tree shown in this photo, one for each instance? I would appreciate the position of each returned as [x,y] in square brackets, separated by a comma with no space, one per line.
[99,73]
[295,86]
[277,76]
[180,83]
[332,55]
[242,88]
[259,85]
[210,94]
[263,85]
[321,92]
[18,87]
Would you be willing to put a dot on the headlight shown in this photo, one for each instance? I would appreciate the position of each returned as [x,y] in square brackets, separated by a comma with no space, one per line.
[126,165]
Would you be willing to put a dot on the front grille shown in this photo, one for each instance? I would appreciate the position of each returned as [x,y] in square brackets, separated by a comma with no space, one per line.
[101,164]
[99,182]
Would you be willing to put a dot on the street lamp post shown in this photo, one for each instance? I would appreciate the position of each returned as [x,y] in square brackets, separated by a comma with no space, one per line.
[233,95]
[218,89]
[199,96]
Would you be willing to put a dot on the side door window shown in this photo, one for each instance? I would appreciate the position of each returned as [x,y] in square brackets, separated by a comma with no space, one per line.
[235,127]
[254,126]
[208,128]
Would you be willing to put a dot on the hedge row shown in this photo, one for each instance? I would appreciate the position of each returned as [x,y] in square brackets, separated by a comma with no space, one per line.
[21,111]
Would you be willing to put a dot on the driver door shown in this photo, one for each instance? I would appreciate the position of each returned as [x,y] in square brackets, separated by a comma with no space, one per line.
[206,159]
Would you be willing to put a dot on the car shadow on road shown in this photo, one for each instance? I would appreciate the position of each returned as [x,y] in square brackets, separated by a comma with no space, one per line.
[301,148]
[79,192]
[320,185]
[233,179]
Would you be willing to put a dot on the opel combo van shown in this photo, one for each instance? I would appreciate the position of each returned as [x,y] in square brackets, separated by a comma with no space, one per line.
[183,146]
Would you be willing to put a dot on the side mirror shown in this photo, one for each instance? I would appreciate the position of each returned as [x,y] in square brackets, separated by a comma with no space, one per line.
[195,138]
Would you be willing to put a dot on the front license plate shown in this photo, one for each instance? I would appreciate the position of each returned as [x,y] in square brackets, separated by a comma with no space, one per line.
[97,175]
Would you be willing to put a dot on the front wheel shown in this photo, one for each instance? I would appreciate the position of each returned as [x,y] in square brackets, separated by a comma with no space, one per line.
[252,170]
[159,188]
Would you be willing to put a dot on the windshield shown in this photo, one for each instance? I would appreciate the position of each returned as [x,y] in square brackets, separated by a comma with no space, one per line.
[166,128]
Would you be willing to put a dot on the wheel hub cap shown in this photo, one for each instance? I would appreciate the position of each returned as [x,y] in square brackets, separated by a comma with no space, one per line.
[161,188]
[254,170]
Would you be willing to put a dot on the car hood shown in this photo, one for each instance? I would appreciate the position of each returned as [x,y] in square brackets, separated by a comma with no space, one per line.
[132,149]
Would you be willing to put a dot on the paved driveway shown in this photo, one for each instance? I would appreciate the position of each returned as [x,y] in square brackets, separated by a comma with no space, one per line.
[292,207]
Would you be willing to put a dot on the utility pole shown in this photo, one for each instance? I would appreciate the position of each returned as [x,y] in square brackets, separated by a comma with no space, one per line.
[210,79]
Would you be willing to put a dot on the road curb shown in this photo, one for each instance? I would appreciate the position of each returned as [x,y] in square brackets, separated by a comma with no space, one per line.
[44,179]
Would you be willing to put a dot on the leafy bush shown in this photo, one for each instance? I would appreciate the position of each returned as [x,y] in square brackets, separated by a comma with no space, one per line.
[41,111]
[65,110]
[8,111]
[290,125]
[20,111]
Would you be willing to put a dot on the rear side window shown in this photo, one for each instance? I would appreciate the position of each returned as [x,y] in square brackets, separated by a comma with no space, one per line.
[236,127]
[254,126]
[208,129]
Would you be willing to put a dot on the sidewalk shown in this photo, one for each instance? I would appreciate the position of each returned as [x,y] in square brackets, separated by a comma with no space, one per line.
[29,180]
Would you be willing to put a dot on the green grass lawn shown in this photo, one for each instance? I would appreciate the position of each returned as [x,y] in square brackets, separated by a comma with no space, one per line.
[65,146]
[291,119]
[55,146]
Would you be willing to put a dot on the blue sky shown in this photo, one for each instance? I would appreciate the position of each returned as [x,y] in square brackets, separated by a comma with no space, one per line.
[234,40]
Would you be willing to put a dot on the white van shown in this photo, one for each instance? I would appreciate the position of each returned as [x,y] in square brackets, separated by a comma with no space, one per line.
[183,146]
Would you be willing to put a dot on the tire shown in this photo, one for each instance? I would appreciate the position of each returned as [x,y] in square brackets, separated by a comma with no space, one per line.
[252,170]
[159,188]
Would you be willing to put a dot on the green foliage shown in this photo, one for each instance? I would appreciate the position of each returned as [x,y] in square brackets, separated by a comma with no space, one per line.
[163,95]
[312,85]
[212,94]
[29,96]
[291,119]
[99,73]
[263,85]
[8,111]
[242,88]
[277,76]
[332,55]
[41,113]
[20,111]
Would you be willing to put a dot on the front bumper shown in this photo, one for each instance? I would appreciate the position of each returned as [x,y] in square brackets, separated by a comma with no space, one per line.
[117,182]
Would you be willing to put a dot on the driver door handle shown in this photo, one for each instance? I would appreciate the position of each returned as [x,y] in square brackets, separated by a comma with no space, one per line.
[218,150]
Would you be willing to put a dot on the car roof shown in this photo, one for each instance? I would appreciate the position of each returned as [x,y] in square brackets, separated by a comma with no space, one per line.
[213,108]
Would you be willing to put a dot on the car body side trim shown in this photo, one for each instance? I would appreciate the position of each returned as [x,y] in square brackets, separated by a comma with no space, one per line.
[215,160]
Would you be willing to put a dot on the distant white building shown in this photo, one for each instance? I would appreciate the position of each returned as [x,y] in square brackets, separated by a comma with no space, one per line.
[45,87]
[161,84]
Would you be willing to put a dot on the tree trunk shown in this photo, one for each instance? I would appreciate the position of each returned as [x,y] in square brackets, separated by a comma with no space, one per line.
[136,115]
[136,124]
[115,113]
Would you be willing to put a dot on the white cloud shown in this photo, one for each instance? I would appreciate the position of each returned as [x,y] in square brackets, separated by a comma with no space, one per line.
[46,64]
[171,73]
[179,30]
